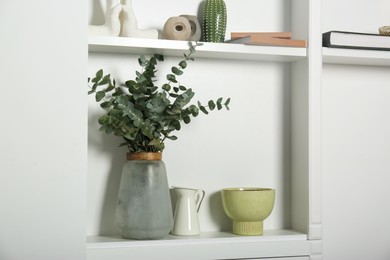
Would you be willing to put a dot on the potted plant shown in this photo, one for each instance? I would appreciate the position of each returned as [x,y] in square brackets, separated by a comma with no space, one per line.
[145,116]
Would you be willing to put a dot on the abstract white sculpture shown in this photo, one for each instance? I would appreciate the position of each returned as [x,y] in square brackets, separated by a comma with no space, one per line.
[120,21]
[112,24]
[130,25]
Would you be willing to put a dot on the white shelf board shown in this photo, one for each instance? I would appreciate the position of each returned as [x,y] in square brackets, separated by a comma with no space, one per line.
[207,50]
[208,245]
[355,57]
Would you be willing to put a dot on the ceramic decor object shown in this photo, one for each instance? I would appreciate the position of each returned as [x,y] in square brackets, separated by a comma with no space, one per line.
[248,208]
[196,30]
[186,221]
[177,28]
[144,209]
[130,25]
[214,21]
[112,24]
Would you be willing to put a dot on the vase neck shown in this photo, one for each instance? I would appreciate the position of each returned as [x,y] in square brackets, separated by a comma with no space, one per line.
[145,156]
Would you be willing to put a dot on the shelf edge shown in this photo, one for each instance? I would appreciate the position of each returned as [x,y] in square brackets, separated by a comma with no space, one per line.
[115,241]
[355,57]
[209,245]
[207,50]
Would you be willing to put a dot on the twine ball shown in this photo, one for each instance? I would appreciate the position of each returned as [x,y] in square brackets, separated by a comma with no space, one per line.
[177,28]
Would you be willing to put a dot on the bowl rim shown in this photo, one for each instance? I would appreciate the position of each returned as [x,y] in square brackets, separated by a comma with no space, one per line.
[247,189]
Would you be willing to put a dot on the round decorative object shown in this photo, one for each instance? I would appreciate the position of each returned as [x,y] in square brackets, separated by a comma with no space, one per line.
[214,21]
[196,30]
[144,209]
[384,30]
[248,208]
[177,28]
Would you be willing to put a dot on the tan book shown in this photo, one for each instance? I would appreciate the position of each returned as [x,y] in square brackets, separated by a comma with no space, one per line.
[285,35]
[270,41]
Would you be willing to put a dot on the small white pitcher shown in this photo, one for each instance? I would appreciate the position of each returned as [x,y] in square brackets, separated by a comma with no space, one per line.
[186,222]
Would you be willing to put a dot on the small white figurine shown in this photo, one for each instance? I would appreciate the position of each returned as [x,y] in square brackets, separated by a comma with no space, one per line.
[112,24]
[130,25]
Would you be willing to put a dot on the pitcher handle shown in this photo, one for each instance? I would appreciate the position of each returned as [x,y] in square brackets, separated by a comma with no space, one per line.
[200,196]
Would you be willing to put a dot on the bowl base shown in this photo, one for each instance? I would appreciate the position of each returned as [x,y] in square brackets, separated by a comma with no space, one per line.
[248,228]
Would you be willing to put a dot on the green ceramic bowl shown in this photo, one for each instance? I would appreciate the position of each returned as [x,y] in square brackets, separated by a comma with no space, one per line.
[248,208]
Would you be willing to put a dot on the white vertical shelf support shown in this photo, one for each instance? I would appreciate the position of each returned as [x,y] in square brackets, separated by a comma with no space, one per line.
[314,123]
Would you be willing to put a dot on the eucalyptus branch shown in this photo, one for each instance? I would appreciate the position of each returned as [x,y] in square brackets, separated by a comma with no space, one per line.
[143,116]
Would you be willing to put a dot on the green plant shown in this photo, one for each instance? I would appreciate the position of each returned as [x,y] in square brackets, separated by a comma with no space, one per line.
[214,21]
[142,113]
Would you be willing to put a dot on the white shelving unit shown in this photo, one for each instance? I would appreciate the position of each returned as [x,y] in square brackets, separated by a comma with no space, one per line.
[302,239]
[45,209]
[209,245]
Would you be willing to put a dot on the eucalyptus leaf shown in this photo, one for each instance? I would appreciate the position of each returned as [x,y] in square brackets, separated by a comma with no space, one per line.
[211,105]
[176,71]
[166,87]
[106,105]
[106,79]
[100,95]
[171,78]
[183,64]
[156,105]
[172,137]
[194,110]
[154,142]
[182,100]
[187,119]
[130,83]
[204,110]
[176,125]
[159,57]
[152,62]
[99,75]
[109,88]
[142,60]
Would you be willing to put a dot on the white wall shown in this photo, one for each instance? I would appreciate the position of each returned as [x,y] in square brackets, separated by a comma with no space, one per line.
[274,15]
[355,15]
[356,143]
[356,162]
[246,146]
[43,50]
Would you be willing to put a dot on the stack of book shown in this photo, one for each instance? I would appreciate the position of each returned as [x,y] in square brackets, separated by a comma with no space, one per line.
[356,40]
[266,38]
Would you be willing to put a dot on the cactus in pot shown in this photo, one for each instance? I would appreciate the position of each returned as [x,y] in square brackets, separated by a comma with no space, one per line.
[214,21]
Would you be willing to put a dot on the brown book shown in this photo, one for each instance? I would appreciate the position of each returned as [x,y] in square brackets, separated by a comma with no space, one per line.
[270,41]
[285,35]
